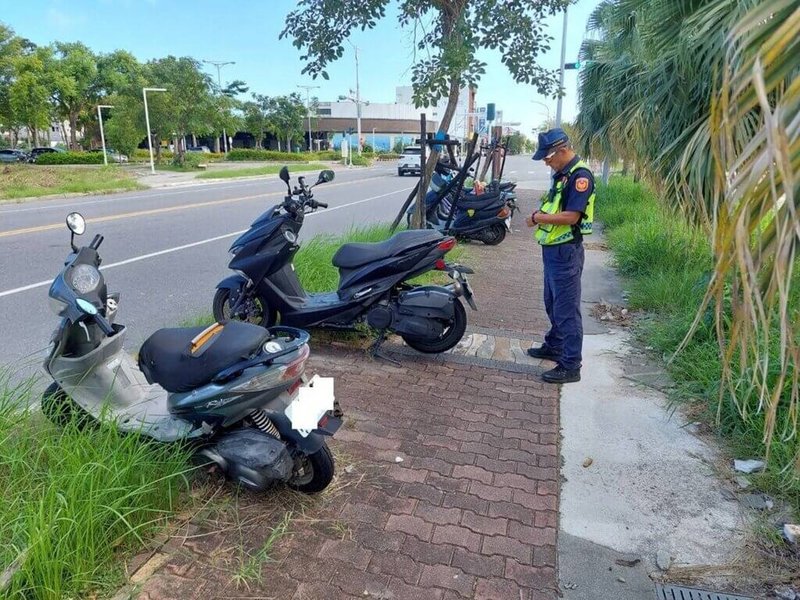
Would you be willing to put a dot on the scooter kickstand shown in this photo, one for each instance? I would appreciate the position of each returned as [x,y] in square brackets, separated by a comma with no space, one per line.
[375,349]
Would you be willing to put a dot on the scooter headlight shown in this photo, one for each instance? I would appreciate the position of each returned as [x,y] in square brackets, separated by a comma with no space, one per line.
[85,279]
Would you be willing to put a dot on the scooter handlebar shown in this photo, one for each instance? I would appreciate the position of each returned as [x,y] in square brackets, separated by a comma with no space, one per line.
[103,323]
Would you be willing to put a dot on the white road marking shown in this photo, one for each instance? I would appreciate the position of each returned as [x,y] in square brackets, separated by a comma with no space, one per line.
[76,201]
[135,259]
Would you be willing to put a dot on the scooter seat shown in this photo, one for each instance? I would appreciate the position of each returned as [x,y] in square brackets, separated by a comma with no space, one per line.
[351,256]
[184,358]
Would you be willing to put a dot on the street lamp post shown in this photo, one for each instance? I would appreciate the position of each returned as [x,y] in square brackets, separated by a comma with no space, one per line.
[547,108]
[358,99]
[102,134]
[561,73]
[219,64]
[373,140]
[308,89]
[147,122]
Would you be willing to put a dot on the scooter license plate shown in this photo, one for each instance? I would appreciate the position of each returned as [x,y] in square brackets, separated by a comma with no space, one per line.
[312,402]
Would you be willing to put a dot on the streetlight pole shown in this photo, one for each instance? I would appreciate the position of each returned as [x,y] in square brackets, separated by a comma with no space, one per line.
[561,73]
[102,134]
[147,122]
[308,89]
[219,64]
[358,99]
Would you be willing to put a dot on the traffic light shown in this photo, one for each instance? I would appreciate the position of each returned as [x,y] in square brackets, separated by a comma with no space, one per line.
[575,65]
[490,110]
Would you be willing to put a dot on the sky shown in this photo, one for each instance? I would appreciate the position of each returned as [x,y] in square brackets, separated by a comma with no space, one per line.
[246,31]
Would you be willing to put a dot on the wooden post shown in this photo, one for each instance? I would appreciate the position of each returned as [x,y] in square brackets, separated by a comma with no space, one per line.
[406,204]
[419,219]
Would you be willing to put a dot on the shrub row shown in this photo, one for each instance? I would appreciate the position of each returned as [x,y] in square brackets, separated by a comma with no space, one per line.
[70,158]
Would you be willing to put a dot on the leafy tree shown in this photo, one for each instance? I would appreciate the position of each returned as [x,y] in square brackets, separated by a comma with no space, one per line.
[30,92]
[286,117]
[10,49]
[517,143]
[234,88]
[703,96]
[186,107]
[75,85]
[450,32]
[256,117]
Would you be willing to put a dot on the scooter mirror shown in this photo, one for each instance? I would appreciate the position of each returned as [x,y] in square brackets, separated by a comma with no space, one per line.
[76,223]
[325,176]
[284,174]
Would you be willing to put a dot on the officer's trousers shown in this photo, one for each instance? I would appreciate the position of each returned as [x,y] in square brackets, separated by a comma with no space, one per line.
[563,267]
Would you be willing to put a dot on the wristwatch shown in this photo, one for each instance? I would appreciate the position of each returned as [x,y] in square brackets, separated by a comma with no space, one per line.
[533,216]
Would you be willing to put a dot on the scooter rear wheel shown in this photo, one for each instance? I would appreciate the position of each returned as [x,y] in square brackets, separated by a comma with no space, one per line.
[257,310]
[451,336]
[317,472]
[62,410]
[495,235]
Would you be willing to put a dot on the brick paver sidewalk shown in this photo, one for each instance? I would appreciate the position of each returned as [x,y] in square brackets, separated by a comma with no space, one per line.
[447,483]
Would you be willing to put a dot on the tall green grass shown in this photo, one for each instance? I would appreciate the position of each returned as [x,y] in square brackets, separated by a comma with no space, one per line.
[666,265]
[317,273]
[74,500]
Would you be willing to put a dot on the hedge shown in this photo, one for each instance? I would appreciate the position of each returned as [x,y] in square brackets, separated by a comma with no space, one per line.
[70,158]
[259,155]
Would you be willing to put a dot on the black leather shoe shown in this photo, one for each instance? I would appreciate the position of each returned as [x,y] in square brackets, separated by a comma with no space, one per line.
[545,352]
[562,375]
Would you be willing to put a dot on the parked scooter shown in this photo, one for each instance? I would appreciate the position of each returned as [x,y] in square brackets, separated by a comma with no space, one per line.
[232,390]
[484,217]
[372,286]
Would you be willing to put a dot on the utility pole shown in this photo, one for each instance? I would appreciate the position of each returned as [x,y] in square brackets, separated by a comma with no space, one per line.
[308,89]
[219,64]
[147,122]
[358,100]
[561,73]
[102,134]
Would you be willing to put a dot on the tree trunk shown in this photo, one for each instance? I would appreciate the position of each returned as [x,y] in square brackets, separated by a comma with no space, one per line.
[279,143]
[73,126]
[194,140]
[216,144]
[606,171]
[288,144]
[624,167]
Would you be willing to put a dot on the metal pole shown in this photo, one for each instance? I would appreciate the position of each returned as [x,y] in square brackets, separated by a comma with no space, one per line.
[219,64]
[308,89]
[147,122]
[423,187]
[102,134]
[358,104]
[373,140]
[561,75]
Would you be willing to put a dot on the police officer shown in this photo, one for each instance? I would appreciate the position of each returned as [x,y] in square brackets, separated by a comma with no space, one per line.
[565,216]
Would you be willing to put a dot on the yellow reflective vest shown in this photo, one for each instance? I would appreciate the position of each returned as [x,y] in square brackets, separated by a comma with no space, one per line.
[550,235]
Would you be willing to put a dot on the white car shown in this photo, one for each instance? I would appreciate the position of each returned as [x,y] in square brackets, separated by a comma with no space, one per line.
[409,161]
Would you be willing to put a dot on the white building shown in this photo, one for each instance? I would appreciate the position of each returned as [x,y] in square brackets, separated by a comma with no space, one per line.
[463,121]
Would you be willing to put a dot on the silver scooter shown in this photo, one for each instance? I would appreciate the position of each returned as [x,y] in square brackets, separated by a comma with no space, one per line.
[234,390]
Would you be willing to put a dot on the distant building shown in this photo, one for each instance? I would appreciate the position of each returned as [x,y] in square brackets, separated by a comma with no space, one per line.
[54,135]
[462,123]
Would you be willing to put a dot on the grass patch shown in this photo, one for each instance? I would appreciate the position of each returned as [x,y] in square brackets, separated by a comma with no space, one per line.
[666,265]
[74,502]
[266,170]
[22,181]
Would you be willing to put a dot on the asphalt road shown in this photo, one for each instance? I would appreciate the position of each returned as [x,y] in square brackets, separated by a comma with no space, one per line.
[166,249]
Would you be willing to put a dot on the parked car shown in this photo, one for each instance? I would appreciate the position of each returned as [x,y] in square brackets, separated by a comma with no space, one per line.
[112,155]
[409,161]
[36,152]
[203,149]
[12,155]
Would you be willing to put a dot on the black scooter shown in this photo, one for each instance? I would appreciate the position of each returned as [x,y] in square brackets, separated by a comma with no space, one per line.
[372,286]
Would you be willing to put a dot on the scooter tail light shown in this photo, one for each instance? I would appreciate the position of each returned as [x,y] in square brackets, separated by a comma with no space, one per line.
[440,265]
[447,244]
[504,212]
[296,368]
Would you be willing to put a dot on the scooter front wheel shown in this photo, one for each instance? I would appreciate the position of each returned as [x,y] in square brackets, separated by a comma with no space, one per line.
[451,336]
[62,410]
[315,471]
[255,310]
